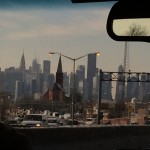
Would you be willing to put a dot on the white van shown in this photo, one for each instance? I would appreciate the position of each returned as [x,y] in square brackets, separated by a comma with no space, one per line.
[35,120]
[89,121]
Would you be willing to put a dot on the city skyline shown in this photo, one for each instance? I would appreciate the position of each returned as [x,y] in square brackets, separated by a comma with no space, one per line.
[45,69]
[38,80]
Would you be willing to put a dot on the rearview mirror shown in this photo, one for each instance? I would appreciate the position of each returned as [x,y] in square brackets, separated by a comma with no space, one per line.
[129,21]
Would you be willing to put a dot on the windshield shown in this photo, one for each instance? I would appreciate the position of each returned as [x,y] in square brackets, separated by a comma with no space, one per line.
[57,59]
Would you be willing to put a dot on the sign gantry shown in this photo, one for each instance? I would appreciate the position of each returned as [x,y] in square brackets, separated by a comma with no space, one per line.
[125,76]
[120,77]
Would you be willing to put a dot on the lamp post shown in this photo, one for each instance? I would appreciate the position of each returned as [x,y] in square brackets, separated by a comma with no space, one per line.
[73,90]
[100,96]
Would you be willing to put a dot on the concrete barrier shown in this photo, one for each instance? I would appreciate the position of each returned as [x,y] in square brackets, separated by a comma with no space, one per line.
[89,138]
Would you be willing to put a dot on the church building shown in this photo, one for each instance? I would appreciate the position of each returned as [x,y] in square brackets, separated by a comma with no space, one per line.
[56,93]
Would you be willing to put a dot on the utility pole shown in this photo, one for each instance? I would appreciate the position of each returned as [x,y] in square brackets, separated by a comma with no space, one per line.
[100,95]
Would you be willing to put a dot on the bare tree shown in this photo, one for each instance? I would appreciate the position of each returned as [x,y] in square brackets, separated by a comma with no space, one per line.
[136,30]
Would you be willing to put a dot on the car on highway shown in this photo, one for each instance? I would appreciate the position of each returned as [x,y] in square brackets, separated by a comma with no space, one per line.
[147,120]
[13,123]
[52,122]
[89,121]
[35,120]
[74,122]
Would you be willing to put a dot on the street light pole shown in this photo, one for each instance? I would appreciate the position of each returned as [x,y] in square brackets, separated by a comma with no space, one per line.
[73,90]
[100,96]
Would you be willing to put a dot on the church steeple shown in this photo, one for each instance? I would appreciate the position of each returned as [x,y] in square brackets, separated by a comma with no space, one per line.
[57,93]
[22,63]
[59,73]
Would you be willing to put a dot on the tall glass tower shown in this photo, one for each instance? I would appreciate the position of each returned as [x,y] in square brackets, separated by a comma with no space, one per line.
[46,67]
[91,71]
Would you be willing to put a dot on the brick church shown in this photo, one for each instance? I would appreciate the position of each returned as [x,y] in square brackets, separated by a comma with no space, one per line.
[56,93]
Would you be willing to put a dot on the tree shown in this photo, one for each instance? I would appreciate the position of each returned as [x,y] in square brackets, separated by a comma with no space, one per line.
[136,30]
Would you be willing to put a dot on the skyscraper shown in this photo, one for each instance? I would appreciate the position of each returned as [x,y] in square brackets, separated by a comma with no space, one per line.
[22,67]
[133,88]
[36,67]
[22,63]
[19,90]
[51,80]
[143,86]
[11,75]
[120,86]
[80,76]
[66,83]
[81,72]
[91,70]
[46,67]
[46,73]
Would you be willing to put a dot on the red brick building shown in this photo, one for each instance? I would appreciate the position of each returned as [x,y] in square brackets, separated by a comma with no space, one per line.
[56,93]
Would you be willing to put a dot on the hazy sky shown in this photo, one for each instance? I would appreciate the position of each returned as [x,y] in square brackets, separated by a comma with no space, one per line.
[71,29]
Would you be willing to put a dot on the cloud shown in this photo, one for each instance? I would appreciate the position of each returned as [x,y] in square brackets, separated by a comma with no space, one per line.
[45,23]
